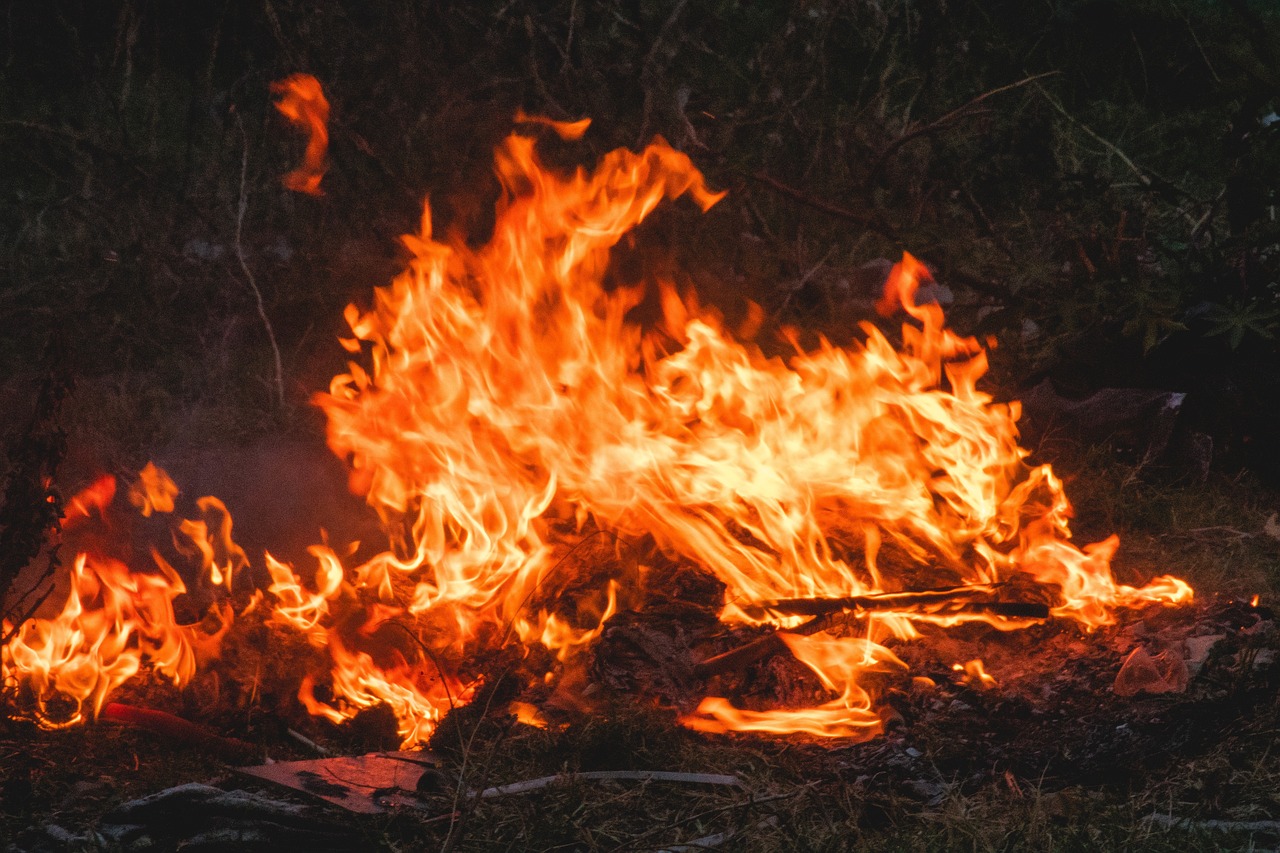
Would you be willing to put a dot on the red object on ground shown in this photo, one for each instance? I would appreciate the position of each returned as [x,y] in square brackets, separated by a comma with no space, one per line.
[168,725]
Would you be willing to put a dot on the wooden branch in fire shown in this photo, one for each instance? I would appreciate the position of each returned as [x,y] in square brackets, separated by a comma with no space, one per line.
[932,602]
[951,601]
[756,650]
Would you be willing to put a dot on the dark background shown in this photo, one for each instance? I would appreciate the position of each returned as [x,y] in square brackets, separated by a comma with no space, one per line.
[1094,181]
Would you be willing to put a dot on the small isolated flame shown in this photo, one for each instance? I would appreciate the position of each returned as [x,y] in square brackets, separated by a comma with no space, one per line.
[505,405]
[975,674]
[303,103]
[839,662]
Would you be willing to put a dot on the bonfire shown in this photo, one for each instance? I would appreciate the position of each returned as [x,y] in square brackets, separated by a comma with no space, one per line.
[503,406]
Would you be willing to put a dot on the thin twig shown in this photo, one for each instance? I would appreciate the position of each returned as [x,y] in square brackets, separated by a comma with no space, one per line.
[462,811]
[648,69]
[757,649]
[244,265]
[874,221]
[80,140]
[308,742]
[1142,175]
[18,621]
[568,42]
[1150,180]
[963,111]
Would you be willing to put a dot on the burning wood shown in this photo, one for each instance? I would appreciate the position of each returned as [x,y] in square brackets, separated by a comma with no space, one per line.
[955,601]
[758,649]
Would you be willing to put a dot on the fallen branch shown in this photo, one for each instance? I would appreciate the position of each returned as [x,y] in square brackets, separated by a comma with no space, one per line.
[964,111]
[948,600]
[1168,821]
[952,601]
[608,775]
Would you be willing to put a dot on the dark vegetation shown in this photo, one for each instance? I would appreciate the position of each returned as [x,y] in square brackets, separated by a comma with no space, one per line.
[1094,181]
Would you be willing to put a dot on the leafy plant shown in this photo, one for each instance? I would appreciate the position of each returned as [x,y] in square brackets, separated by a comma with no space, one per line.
[1238,319]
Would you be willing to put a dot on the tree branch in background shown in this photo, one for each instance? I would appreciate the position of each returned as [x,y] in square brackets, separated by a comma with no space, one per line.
[965,111]
[248,274]
[1150,180]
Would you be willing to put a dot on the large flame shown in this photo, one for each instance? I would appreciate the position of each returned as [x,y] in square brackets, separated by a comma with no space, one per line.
[507,383]
[505,392]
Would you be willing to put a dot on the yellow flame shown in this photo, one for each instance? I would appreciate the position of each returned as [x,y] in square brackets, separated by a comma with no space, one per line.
[115,619]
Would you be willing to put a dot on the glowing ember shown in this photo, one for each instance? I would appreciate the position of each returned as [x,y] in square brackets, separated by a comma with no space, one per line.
[507,397]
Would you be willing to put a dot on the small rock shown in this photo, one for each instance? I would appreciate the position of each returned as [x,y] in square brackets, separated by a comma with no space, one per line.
[1198,649]
[931,792]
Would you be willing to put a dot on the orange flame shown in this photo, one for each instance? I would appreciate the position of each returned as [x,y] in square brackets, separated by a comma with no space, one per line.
[303,103]
[839,663]
[153,491]
[89,501]
[114,619]
[975,674]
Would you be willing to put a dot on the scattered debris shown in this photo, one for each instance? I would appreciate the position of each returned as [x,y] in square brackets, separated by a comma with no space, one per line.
[1142,673]
[368,784]
[707,842]
[1198,650]
[197,817]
